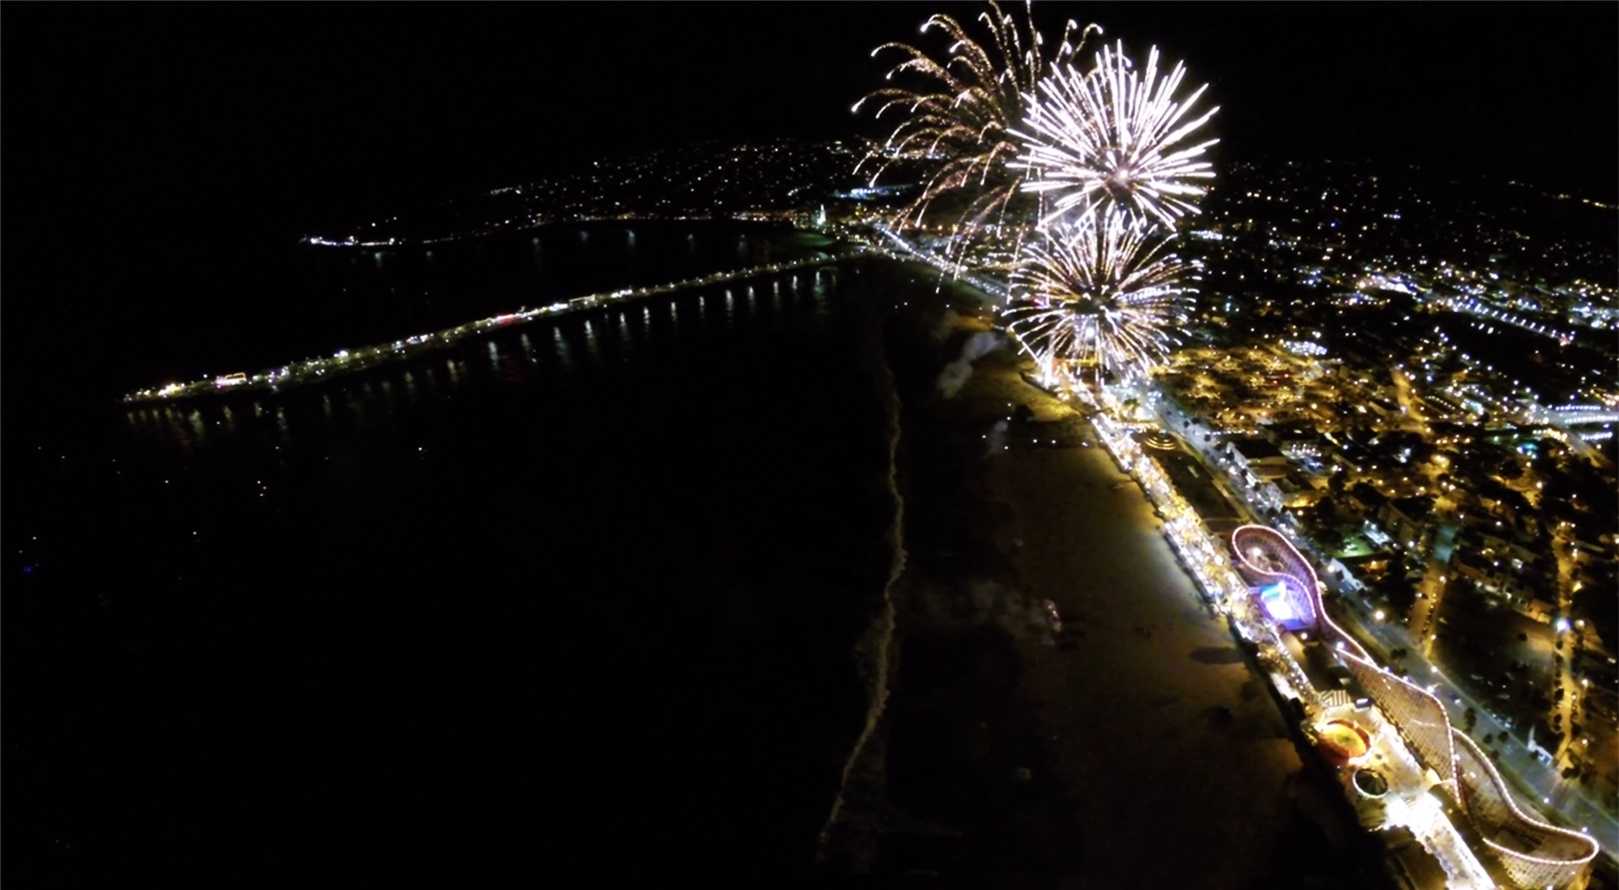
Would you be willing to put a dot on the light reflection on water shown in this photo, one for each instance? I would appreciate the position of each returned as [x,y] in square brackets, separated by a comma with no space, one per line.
[530,489]
[375,397]
[590,341]
[562,352]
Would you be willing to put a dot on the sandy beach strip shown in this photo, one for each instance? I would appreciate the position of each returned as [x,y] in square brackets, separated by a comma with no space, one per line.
[1143,752]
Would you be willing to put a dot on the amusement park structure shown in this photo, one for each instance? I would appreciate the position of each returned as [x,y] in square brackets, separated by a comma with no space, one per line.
[1450,771]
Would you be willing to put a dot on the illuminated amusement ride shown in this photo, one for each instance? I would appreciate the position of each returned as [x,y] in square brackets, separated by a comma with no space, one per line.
[1361,704]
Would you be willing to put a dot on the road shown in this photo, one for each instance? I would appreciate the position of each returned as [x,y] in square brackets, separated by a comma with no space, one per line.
[1534,777]
[1409,404]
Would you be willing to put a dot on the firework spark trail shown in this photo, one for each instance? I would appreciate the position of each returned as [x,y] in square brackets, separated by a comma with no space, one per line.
[1101,292]
[1112,138]
[958,120]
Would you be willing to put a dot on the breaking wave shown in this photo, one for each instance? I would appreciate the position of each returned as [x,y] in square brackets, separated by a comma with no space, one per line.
[859,796]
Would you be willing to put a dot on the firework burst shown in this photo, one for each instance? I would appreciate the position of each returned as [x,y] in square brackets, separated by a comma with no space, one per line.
[956,122]
[1099,293]
[1115,137]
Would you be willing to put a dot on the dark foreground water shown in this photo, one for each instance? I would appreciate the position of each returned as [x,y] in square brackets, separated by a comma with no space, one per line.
[583,597]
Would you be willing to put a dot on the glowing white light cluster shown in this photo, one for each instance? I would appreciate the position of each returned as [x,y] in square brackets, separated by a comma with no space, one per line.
[1113,137]
[1100,292]
[1304,347]
[1484,310]
[1580,418]
[1435,832]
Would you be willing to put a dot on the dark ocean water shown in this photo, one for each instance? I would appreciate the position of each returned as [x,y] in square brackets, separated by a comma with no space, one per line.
[583,596]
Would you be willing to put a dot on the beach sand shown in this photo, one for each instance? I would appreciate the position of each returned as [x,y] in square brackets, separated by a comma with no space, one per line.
[1144,754]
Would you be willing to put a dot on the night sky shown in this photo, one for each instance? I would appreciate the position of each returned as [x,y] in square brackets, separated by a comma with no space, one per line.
[189,144]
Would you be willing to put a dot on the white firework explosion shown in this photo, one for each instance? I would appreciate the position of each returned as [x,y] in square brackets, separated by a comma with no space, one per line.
[1114,137]
[1101,293]
[957,120]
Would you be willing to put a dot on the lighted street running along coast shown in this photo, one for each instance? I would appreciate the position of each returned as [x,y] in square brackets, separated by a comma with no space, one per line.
[1532,777]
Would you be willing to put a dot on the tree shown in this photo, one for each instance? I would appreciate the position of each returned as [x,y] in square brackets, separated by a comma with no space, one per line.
[1545,465]
[1327,513]
[1597,604]
[1398,588]
[1367,495]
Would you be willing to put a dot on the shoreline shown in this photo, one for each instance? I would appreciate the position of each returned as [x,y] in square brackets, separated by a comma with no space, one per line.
[879,648]
[1008,757]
